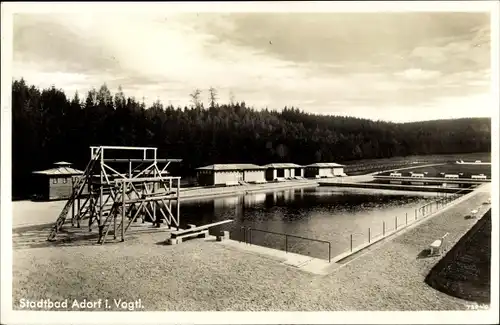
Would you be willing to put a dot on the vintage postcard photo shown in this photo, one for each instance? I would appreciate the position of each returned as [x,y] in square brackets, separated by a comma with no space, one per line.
[247,163]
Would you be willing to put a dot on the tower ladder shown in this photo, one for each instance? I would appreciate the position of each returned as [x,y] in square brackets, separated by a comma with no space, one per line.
[77,190]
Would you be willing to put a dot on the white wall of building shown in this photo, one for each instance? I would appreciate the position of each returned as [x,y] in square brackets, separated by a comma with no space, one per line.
[223,177]
[326,172]
[254,176]
[338,171]
[289,172]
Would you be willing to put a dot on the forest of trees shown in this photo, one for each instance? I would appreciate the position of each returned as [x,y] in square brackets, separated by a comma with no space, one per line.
[47,126]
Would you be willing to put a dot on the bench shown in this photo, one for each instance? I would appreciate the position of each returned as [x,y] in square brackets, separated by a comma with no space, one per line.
[180,239]
[259,182]
[224,235]
[193,232]
[435,247]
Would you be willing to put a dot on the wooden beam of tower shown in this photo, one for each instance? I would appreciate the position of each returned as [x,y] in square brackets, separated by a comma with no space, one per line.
[118,160]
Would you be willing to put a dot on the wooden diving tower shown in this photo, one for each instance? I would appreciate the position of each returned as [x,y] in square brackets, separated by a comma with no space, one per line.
[115,197]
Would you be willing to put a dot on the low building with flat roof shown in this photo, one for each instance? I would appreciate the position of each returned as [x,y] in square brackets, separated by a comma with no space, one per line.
[230,174]
[324,170]
[278,171]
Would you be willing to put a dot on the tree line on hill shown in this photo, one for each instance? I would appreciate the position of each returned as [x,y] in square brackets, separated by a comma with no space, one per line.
[47,126]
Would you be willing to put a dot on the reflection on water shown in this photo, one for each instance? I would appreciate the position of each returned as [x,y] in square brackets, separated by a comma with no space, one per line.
[254,199]
[221,203]
[330,214]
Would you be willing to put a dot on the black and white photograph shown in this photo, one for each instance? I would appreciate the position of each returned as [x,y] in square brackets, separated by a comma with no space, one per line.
[249,162]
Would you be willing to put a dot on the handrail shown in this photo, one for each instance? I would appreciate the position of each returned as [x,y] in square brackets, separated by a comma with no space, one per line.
[423,211]
[293,236]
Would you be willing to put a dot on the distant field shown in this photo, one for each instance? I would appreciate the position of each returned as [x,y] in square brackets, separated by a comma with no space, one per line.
[450,168]
[483,156]
[372,165]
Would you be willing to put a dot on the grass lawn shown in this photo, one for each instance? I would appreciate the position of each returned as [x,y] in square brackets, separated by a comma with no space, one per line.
[449,168]
[364,166]
[465,271]
[483,156]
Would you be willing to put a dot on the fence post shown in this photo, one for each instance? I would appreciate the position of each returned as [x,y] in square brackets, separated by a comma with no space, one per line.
[369,235]
[329,252]
[415,214]
[351,243]
[406,216]
[249,235]
[286,244]
[396,222]
[383,228]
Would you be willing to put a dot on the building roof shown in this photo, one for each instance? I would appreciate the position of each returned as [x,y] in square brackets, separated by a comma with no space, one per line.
[282,165]
[59,171]
[325,165]
[62,163]
[150,172]
[222,167]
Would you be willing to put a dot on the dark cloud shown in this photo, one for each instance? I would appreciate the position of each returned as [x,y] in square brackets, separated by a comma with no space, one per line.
[342,37]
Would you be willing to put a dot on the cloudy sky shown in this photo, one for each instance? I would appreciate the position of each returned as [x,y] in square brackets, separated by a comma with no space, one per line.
[390,66]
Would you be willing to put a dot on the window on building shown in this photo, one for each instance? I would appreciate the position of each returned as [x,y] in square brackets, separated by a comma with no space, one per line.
[54,180]
[65,180]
